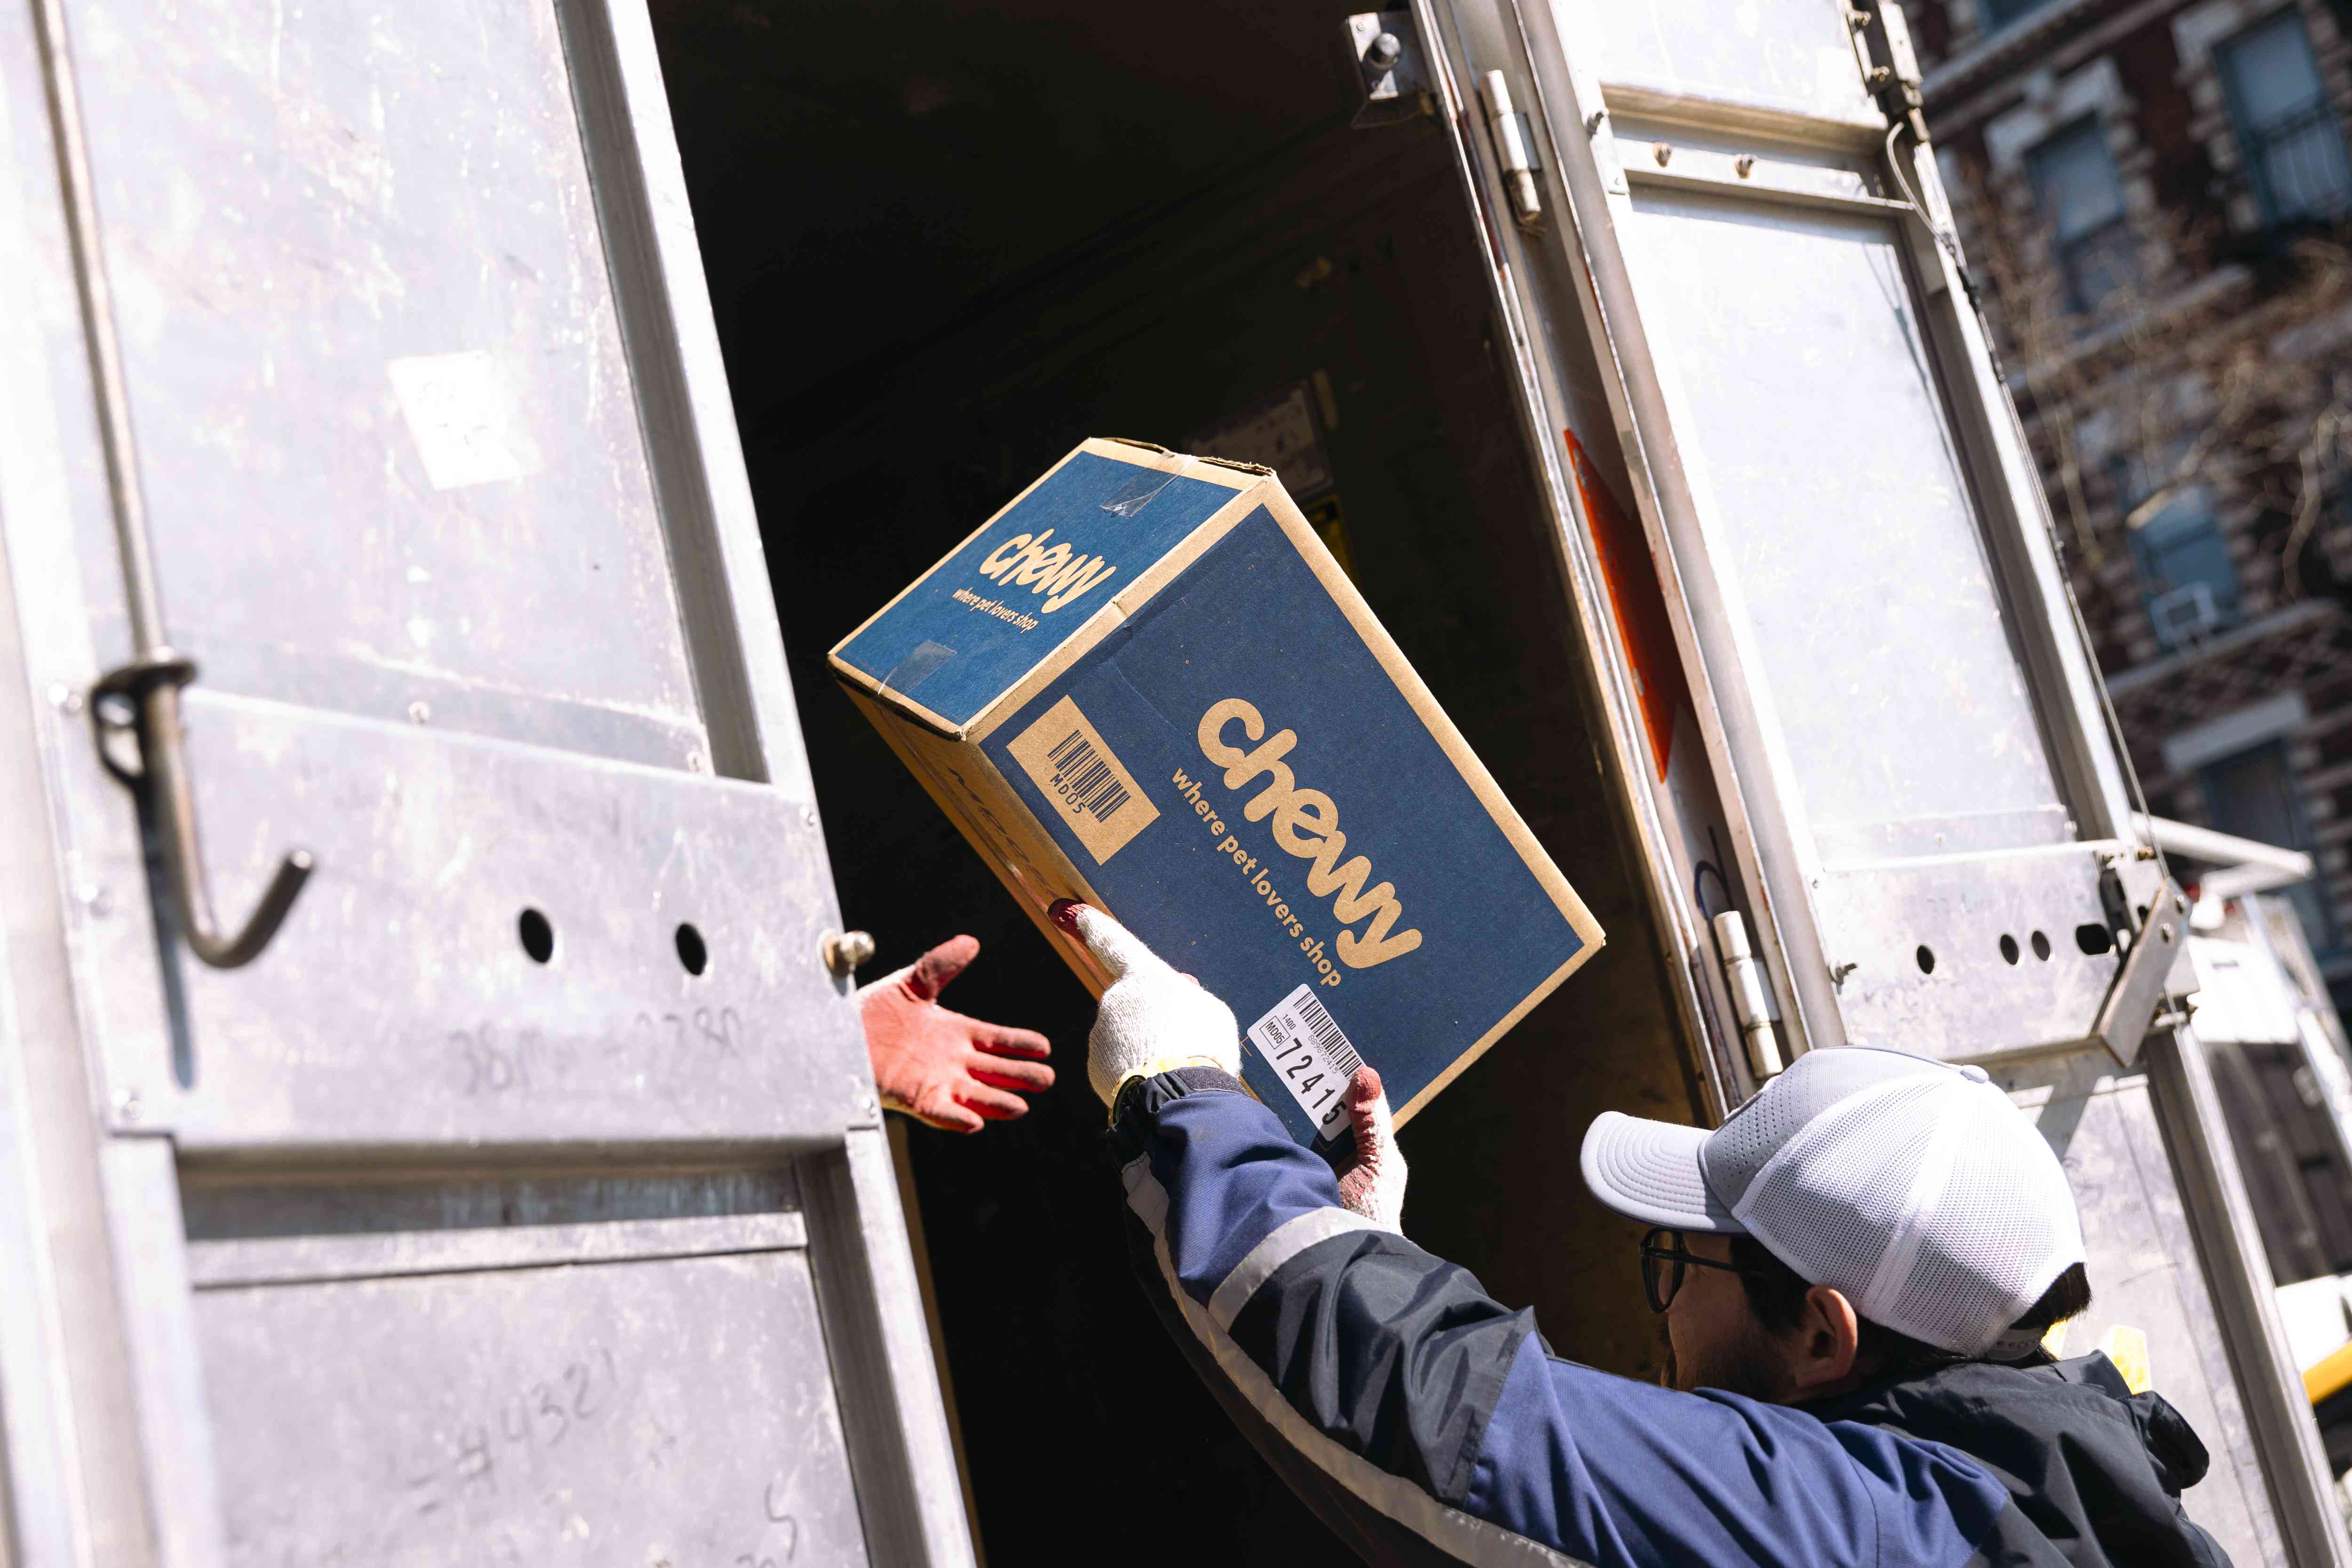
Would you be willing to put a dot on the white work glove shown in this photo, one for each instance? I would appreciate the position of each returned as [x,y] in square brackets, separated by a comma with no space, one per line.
[1372,1184]
[1152,1018]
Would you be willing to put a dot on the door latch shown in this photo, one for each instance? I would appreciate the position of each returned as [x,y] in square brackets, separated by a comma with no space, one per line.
[139,704]
[1392,75]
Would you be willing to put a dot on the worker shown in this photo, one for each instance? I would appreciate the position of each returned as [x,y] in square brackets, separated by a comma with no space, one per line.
[946,1070]
[1856,1271]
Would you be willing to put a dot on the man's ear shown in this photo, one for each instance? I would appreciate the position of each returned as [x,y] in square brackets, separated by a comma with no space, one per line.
[1826,1341]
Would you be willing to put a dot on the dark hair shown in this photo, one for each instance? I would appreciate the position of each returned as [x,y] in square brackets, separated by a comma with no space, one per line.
[1775,1293]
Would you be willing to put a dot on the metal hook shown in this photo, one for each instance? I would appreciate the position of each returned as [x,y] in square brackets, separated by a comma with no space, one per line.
[149,688]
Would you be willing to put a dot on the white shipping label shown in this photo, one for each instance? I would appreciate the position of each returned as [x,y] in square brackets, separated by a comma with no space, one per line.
[464,417]
[1302,1042]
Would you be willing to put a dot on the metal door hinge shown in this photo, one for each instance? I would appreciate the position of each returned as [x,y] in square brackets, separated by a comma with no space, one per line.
[2130,1010]
[1514,150]
[1392,73]
[1890,68]
[1743,976]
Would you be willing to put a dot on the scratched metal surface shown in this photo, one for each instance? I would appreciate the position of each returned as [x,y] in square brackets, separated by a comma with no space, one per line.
[296,201]
[2144,1272]
[629,1415]
[398,1008]
[1975,1003]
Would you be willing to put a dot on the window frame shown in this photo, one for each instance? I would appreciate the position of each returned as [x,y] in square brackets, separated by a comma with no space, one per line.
[2147,549]
[2253,142]
[2070,254]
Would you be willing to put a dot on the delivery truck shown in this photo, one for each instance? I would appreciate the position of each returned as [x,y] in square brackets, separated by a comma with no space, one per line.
[442,443]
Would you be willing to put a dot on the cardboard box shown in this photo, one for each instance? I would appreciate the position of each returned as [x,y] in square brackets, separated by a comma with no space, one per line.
[1145,684]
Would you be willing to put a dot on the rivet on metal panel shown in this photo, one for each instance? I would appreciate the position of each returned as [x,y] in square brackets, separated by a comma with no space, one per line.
[65,699]
[808,817]
[1595,121]
[845,950]
[96,899]
[420,712]
[1664,152]
[1744,165]
[127,1107]
[696,762]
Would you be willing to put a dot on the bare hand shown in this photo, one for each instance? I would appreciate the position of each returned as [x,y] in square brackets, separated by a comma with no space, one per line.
[942,1068]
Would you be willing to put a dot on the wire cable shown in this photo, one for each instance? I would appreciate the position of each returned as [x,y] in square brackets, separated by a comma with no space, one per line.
[1951,245]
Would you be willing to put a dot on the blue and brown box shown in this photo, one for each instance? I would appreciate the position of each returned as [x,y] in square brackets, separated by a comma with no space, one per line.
[1146,684]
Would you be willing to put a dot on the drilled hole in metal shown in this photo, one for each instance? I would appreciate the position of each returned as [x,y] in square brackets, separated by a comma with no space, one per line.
[2041,947]
[2094,938]
[538,936]
[1926,956]
[691,952]
[2008,949]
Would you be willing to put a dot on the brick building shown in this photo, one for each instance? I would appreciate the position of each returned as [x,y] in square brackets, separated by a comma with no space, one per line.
[2154,196]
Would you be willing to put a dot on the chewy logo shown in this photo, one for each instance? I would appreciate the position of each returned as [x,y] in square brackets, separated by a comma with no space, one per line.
[1054,572]
[1306,823]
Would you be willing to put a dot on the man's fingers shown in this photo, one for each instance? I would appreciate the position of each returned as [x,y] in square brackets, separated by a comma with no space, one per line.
[932,973]
[995,1104]
[1368,1113]
[939,1109]
[1001,1040]
[1119,949]
[1011,1072]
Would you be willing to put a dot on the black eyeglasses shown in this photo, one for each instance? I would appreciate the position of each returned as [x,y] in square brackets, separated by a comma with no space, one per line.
[1663,1261]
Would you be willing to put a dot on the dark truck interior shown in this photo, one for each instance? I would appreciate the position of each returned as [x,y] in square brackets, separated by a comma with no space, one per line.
[946,241]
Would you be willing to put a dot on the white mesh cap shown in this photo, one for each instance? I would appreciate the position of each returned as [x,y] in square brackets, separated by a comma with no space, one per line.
[1917,1189]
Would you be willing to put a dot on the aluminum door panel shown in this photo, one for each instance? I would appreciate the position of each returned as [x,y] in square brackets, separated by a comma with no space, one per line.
[374,362]
[624,1415]
[400,1007]
[1820,457]
[1790,56]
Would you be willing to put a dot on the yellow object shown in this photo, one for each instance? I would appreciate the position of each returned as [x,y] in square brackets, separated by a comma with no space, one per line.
[1330,525]
[2329,1375]
[2054,1343]
[2128,1348]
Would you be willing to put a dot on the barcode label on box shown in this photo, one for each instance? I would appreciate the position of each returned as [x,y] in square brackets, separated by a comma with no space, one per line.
[1087,787]
[1304,1044]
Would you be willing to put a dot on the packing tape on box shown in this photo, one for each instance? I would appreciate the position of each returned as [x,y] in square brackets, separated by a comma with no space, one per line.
[1136,493]
[916,667]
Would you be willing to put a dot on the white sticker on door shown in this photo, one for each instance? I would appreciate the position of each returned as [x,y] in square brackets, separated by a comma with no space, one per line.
[464,417]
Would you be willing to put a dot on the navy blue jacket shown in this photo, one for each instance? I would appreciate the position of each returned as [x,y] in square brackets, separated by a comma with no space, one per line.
[1425,1422]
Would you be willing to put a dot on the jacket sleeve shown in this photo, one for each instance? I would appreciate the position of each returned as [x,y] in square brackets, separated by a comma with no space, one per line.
[1395,1385]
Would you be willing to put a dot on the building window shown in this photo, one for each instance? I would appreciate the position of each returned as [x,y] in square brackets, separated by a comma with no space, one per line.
[2287,129]
[1999,14]
[2253,795]
[2082,201]
[2186,576]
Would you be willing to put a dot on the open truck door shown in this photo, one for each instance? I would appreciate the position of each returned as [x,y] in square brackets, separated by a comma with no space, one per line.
[507,1183]
[1850,706]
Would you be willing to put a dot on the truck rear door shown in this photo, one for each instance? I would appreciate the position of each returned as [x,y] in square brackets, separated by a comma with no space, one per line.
[522,1195]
